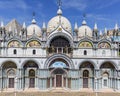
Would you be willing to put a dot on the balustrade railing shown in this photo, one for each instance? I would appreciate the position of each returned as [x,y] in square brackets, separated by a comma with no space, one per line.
[59,50]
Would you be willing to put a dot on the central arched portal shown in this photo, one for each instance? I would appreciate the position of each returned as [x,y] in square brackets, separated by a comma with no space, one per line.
[58,69]
[59,76]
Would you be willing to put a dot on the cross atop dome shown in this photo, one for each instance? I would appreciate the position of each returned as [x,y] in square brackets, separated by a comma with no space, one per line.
[59,4]
[84,15]
[33,14]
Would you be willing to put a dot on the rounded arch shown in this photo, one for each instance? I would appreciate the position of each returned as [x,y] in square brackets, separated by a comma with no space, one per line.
[27,61]
[32,72]
[9,64]
[68,37]
[85,73]
[59,56]
[88,61]
[59,41]
[105,74]
[51,72]
[14,43]
[33,43]
[112,64]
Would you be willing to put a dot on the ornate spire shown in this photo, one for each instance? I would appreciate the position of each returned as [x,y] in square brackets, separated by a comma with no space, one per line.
[84,19]
[44,27]
[59,12]
[95,26]
[76,27]
[101,33]
[2,24]
[24,25]
[116,27]
[33,20]
[105,30]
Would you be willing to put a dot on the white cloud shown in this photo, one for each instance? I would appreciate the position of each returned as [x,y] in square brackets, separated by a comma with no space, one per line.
[106,3]
[98,17]
[13,4]
[77,4]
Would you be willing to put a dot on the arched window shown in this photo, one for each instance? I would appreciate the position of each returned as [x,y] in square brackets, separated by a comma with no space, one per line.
[34,52]
[14,51]
[85,73]
[85,52]
[31,73]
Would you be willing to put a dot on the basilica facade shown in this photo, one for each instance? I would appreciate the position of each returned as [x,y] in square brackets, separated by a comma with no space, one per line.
[57,56]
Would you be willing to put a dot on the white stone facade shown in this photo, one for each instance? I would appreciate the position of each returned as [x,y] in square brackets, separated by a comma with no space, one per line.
[52,57]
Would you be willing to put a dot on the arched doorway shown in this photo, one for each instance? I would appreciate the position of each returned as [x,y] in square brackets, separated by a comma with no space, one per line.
[85,78]
[30,73]
[59,76]
[58,69]
[31,78]
[107,71]
[105,79]
[9,70]
[87,73]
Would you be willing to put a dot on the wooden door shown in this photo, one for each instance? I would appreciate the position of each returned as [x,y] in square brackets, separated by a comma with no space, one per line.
[11,82]
[85,78]
[85,82]
[32,82]
[58,80]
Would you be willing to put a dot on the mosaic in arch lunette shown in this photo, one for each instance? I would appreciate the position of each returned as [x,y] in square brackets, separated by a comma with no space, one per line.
[85,44]
[33,43]
[14,43]
[104,45]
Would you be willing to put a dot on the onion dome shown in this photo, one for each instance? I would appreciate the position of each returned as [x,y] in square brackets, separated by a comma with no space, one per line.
[33,29]
[57,21]
[84,30]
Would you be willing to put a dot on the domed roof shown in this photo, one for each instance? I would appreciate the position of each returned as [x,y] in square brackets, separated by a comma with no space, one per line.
[84,30]
[59,20]
[33,29]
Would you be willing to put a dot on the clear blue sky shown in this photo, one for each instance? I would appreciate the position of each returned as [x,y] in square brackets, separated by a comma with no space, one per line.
[104,12]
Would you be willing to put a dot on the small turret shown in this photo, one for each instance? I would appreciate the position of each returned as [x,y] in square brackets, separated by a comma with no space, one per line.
[24,26]
[23,33]
[76,28]
[2,29]
[44,27]
[2,24]
[105,31]
[116,27]
[101,33]
[95,31]
[116,30]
